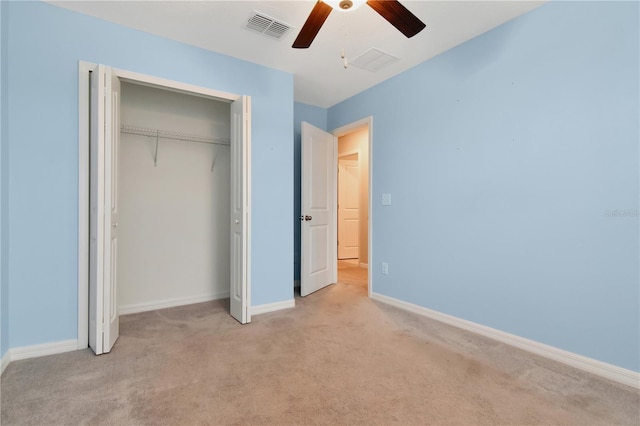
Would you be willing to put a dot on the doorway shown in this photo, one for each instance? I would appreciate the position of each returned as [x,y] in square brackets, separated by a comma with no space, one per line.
[319,211]
[99,141]
[353,205]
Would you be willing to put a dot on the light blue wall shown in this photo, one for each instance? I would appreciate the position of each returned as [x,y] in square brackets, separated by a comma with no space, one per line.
[318,117]
[45,45]
[507,159]
[4,197]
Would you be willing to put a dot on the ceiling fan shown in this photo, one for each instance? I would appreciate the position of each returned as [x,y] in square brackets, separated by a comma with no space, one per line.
[391,10]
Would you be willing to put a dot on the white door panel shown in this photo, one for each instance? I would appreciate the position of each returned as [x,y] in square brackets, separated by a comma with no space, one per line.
[96,209]
[103,245]
[318,254]
[240,166]
[318,233]
[112,149]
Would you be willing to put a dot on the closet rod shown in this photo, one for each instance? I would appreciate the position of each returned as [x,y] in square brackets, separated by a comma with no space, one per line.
[166,134]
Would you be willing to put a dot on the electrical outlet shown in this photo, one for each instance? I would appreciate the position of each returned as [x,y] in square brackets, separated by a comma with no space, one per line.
[385,268]
[386,199]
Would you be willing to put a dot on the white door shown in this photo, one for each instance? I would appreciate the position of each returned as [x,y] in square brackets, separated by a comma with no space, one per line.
[318,223]
[103,223]
[240,184]
[348,203]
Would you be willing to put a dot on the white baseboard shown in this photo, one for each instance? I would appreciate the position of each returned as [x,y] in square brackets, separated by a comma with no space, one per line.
[590,365]
[5,362]
[271,307]
[25,352]
[170,303]
[364,265]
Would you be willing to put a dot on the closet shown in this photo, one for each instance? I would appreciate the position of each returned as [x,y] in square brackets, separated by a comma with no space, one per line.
[174,199]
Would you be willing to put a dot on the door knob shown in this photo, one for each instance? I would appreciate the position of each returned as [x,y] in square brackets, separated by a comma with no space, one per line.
[308,217]
[301,217]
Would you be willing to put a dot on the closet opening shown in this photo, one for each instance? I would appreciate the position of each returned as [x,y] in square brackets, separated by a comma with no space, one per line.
[174,195]
[164,199]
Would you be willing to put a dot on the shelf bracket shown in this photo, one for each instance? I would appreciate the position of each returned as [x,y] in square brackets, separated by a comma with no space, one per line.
[215,156]
[155,155]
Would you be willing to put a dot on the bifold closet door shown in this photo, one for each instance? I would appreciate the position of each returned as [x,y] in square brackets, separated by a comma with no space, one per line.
[103,220]
[240,177]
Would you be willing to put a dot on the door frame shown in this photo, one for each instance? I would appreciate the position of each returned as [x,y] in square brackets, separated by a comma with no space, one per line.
[342,131]
[84,91]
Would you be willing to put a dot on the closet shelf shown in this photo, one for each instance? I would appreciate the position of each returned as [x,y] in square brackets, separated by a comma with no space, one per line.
[167,134]
[178,136]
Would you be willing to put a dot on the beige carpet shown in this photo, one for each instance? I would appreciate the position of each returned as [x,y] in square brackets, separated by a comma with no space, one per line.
[336,358]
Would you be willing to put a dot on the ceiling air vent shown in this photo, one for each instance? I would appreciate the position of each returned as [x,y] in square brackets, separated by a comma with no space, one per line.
[373,60]
[267,25]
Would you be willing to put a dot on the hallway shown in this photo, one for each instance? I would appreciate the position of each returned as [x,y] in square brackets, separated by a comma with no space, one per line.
[350,274]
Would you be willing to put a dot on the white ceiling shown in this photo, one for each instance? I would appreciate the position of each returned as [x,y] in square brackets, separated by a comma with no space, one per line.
[319,76]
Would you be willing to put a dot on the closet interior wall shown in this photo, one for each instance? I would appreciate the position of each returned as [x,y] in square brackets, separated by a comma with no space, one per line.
[174,201]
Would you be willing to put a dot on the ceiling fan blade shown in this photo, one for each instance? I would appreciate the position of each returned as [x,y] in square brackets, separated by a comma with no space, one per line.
[398,16]
[313,24]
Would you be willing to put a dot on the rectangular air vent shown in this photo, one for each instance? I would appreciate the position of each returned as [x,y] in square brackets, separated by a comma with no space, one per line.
[267,25]
[373,60]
